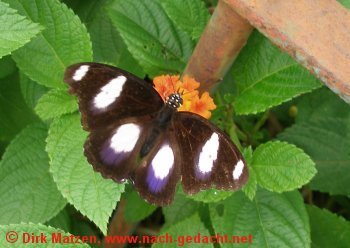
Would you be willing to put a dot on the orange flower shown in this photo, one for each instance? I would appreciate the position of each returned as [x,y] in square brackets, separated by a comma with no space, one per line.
[203,105]
[190,84]
[188,90]
[167,85]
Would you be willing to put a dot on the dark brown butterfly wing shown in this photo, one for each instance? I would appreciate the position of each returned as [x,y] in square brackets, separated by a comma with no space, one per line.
[115,152]
[209,158]
[117,108]
[114,149]
[107,94]
[159,171]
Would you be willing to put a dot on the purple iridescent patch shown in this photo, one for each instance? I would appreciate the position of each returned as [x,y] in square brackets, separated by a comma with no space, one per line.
[110,157]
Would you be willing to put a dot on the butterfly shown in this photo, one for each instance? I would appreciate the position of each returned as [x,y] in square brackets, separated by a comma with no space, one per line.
[134,135]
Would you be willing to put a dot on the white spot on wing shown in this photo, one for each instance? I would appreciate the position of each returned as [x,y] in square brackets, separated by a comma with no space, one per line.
[209,154]
[162,162]
[109,93]
[237,172]
[80,73]
[125,138]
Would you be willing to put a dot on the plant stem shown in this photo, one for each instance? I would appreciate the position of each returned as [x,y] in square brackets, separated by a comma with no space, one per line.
[260,122]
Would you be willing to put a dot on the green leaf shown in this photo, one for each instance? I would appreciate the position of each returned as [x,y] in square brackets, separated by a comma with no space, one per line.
[64,41]
[345,3]
[280,166]
[251,186]
[84,227]
[92,195]
[267,77]
[28,192]
[3,145]
[55,103]
[328,229]
[211,195]
[16,30]
[24,232]
[14,113]
[314,107]
[7,66]
[188,233]
[181,208]
[104,35]
[272,220]
[150,36]
[31,91]
[327,141]
[189,15]
[136,208]
[61,220]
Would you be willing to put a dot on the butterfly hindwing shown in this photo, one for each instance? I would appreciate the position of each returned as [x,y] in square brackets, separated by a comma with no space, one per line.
[107,94]
[159,171]
[210,159]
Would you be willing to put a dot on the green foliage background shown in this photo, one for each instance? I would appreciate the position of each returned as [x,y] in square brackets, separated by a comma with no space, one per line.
[45,181]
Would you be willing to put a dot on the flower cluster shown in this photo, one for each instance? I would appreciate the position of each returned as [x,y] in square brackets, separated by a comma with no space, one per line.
[187,87]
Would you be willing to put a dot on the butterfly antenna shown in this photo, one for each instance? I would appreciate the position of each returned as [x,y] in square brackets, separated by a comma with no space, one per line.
[186,92]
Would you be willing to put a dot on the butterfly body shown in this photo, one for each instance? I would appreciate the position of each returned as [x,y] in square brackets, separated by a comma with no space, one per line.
[135,135]
[160,124]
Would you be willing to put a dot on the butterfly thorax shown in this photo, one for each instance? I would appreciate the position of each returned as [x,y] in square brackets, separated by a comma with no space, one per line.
[174,100]
[161,122]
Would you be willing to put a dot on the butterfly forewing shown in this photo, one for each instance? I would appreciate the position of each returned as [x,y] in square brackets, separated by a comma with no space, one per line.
[210,159]
[114,149]
[107,94]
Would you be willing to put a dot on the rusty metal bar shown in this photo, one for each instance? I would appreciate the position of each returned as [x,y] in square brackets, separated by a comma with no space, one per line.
[220,43]
[316,33]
